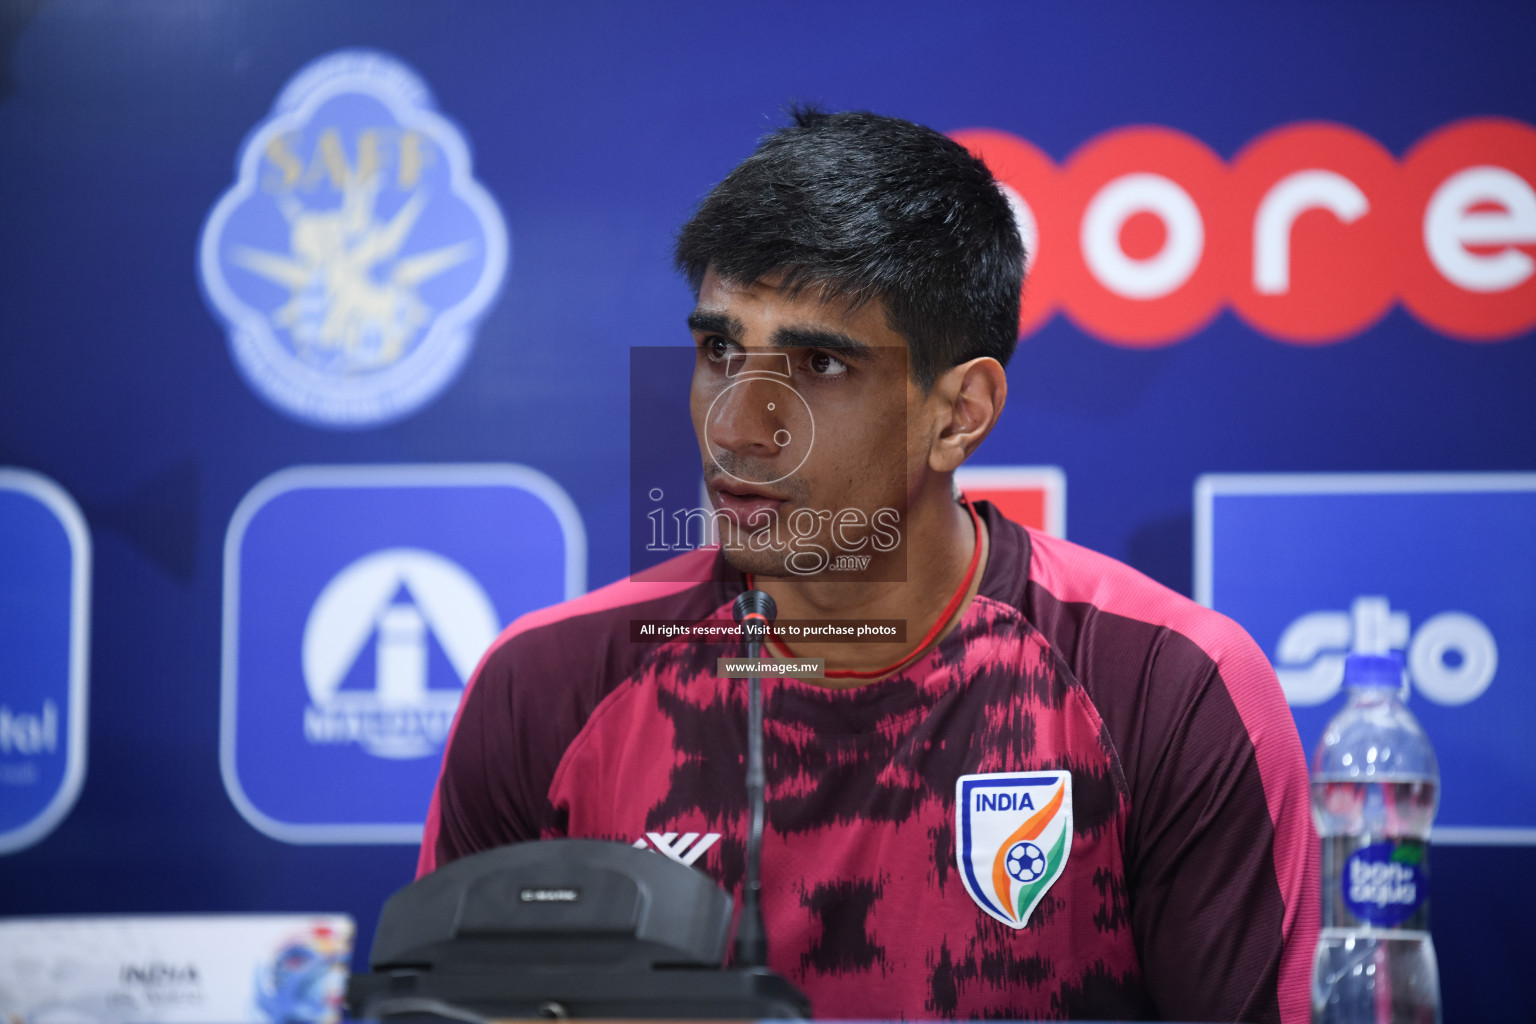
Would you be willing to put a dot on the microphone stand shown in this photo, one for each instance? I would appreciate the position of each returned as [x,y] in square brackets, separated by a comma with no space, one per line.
[754,610]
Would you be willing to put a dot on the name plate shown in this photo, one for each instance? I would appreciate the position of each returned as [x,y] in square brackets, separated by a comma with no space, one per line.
[175,969]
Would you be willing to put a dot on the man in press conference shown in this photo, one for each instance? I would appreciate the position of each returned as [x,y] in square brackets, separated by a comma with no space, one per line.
[1065,791]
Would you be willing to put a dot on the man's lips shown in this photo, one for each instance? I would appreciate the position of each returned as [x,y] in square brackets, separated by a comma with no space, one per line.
[747,503]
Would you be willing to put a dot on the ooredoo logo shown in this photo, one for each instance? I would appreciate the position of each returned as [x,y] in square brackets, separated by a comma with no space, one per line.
[1310,234]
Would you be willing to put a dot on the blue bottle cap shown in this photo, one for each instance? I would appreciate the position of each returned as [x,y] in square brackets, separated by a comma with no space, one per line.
[1374,669]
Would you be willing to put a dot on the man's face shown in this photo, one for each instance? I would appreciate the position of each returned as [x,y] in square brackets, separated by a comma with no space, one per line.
[800,409]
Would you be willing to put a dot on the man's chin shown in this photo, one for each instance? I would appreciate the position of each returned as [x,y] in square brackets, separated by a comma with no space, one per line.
[758,563]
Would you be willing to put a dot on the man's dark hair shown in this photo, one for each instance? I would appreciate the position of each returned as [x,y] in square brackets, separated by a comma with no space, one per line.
[859,206]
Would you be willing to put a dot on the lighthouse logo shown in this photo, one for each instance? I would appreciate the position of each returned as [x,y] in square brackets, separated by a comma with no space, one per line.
[394,605]
[1013,837]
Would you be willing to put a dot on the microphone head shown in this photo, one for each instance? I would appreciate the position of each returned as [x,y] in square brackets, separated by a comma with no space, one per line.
[754,602]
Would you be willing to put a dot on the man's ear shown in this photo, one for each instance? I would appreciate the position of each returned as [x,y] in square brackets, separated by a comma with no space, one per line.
[967,400]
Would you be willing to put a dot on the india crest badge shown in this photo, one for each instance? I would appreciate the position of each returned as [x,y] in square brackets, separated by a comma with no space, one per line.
[1013,834]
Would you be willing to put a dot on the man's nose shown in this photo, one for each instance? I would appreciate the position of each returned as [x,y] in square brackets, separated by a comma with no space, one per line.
[748,417]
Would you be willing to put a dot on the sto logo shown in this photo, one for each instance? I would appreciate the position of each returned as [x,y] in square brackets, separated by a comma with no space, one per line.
[1013,836]
[1452,656]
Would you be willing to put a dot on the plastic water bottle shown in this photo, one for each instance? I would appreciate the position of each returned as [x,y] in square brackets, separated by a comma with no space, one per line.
[1375,789]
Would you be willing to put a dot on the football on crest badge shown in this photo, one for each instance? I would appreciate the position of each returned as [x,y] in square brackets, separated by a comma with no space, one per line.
[1013,834]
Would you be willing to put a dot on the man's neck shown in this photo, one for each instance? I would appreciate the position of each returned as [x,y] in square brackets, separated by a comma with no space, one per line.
[940,544]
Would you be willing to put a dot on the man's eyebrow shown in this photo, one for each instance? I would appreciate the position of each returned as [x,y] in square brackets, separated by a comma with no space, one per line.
[830,341]
[707,321]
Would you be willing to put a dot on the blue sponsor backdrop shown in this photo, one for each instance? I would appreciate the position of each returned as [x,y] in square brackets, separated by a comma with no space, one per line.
[595,128]
[44,576]
[1440,568]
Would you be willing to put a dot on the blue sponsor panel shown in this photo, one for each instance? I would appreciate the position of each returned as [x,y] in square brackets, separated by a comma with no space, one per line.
[358,601]
[45,564]
[1439,566]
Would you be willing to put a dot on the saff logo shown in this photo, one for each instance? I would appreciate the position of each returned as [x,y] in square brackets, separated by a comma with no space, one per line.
[355,251]
[358,601]
[1013,837]
[399,600]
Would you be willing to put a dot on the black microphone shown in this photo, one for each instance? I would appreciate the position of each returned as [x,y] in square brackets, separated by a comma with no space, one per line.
[755,611]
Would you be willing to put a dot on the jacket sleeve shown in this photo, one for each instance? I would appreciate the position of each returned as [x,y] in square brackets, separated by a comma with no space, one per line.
[518,715]
[1222,855]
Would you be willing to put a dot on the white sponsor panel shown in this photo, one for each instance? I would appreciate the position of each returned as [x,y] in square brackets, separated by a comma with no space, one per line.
[175,969]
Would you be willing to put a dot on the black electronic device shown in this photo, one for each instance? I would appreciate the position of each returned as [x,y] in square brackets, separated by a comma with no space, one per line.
[581,927]
[562,928]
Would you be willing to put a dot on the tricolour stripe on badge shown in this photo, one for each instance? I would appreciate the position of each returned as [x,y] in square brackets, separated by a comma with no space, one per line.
[1029,830]
[1030,894]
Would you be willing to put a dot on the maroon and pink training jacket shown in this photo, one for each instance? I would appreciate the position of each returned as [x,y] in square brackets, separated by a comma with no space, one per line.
[1190,891]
